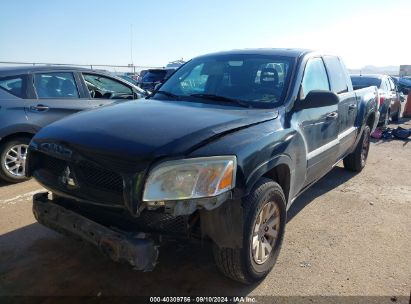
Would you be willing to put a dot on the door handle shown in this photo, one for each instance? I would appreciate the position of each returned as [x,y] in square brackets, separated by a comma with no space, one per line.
[39,108]
[332,115]
[352,107]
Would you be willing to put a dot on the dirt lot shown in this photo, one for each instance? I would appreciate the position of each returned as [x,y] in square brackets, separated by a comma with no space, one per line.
[348,235]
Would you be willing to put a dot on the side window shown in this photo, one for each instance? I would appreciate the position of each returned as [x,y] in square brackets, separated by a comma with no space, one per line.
[384,84]
[104,87]
[55,85]
[392,85]
[13,85]
[338,77]
[315,76]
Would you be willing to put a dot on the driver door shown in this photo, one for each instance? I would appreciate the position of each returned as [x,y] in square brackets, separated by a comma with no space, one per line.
[105,90]
[319,126]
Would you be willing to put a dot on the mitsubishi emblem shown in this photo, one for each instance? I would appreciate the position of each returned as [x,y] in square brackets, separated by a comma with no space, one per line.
[68,178]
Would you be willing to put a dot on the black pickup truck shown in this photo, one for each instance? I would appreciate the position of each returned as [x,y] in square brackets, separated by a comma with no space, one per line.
[219,152]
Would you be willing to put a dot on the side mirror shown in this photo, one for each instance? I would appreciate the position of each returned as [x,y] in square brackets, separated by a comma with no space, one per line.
[317,99]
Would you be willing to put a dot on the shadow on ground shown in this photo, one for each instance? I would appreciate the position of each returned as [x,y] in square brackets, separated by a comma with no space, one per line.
[336,177]
[36,261]
[3,183]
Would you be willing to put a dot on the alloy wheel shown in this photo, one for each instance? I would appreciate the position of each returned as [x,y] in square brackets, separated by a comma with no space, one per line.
[265,232]
[15,160]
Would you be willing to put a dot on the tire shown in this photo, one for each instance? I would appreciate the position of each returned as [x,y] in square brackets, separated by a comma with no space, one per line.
[356,160]
[240,264]
[387,119]
[6,163]
[396,117]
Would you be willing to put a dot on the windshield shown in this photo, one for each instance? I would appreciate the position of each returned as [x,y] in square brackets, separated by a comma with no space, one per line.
[258,80]
[359,82]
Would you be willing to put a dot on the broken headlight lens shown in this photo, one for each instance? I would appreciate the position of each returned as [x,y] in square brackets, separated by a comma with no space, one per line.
[191,178]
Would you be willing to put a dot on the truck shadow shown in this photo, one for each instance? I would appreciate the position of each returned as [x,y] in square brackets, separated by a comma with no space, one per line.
[3,183]
[36,261]
[336,177]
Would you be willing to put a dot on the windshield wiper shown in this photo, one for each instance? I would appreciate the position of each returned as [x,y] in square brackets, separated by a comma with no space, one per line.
[222,98]
[168,94]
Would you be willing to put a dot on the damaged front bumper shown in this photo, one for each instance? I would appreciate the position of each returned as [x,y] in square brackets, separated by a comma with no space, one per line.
[141,253]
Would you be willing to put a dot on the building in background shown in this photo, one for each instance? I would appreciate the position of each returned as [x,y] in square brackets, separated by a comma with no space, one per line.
[175,64]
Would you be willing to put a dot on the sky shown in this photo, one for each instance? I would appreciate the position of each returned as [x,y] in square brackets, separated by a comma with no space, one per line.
[362,32]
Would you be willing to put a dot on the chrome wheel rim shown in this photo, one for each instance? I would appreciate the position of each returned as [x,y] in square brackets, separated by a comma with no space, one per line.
[265,232]
[15,160]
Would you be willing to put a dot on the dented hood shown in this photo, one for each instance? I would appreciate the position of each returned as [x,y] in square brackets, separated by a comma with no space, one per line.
[147,129]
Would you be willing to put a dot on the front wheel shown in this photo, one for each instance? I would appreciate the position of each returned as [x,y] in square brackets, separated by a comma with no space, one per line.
[263,231]
[357,159]
[13,160]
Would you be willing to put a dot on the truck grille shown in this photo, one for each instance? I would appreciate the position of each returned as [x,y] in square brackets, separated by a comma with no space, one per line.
[162,222]
[100,178]
[95,183]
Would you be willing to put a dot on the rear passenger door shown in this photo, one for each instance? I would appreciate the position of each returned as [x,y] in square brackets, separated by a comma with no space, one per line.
[347,107]
[56,96]
[13,90]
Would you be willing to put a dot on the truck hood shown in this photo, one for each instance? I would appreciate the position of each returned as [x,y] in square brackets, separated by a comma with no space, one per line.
[147,129]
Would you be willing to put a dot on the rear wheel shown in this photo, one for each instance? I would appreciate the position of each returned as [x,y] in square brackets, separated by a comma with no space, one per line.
[356,160]
[263,231]
[13,155]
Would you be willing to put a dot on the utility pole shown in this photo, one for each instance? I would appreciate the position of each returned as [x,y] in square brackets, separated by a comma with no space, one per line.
[131,48]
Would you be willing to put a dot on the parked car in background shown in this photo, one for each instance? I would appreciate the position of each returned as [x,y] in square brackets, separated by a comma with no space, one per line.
[153,77]
[396,79]
[218,153]
[32,97]
[141,75]
[404,84]
[389,97]
[129,79]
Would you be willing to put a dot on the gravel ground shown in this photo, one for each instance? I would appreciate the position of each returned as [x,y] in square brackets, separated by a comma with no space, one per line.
[349,235]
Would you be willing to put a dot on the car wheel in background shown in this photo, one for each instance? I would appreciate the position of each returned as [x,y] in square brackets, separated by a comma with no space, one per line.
[396,116]
[356,160]
[13,159]
[386,119]
[263,231]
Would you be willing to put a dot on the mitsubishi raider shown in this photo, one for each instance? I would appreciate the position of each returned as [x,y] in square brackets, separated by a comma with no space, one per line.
[219,152]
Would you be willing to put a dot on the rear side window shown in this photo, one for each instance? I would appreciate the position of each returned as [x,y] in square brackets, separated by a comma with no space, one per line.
[360,82]
[338,77]
[154,75]
[384,85]
[315,76]
[13,85]
[55,85]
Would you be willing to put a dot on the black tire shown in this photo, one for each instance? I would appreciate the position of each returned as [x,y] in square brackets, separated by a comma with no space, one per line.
[4,148]
[387,119]
[356,160]
[396,117]
[239,264]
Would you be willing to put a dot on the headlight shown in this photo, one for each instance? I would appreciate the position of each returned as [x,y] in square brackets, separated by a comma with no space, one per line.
[191,178]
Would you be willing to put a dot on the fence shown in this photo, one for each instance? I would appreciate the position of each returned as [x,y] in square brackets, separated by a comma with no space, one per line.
[111,68]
